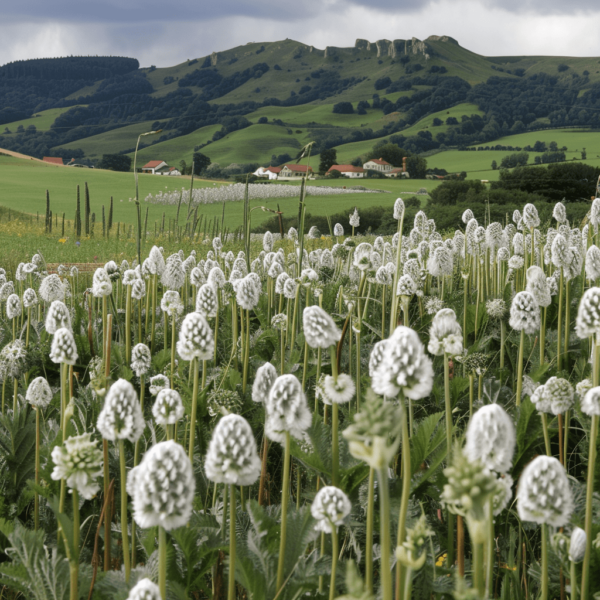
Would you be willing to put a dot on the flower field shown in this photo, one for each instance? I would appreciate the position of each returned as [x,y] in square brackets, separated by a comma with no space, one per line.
[307,416]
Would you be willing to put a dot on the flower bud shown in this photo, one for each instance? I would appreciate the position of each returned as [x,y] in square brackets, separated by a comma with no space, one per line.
[320,330]
[63,349]
[140,359]
[330,507]
[58,316]
[121,418]
[39,393]
[196,338]
[263,382]
[168,408]
[578,545]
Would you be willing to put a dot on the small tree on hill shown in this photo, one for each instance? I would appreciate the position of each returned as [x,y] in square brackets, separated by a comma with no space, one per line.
[328,157]
[115,162]
[200,162]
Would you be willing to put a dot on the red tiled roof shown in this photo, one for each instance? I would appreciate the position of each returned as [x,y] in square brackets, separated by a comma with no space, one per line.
[379,161]
[173,169]
[397,170]
[346,169]
[55,160]
[273,169]
[153,164]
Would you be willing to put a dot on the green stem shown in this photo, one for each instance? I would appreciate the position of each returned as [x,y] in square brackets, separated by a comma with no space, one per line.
[74,560]
[573,581]
[490,550]
[546,433]
[520,367]
[406,479]
[247,352]
[194,410]
[369,534]
[335,449]
[173,328]
[124,532]
[544,595]
[560,315]
[478,581]
[162,562]
[128,327]
[384,520]
[334,560]
[231,580]
[37,468]
[285,492]
[449,427]
[585,574]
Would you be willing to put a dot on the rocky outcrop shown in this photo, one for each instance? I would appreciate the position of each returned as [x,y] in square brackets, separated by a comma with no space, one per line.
[383,47]
[362,45]
[442,38]
[213,59]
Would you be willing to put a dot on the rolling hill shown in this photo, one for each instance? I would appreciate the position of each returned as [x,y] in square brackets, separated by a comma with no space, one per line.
[263,101]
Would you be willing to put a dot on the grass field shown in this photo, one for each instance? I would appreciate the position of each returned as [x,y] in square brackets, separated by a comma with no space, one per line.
[25,184]
[42,120]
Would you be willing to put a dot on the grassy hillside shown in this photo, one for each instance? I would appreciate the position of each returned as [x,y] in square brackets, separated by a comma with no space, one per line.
[42,120]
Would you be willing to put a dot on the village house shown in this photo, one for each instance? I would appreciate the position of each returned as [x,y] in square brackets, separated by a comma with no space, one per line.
[399,173]
[347,171]
[156,167]
[267,172]
[377,164]
[292,171]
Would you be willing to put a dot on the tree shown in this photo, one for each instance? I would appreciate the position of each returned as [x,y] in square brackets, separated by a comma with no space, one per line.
[328,157]
[263,120]
[182,166]
[437,122]
[115,162]
[343,108]
[200,162]
[416,166]
[391,153]
[583,154]
[494,165]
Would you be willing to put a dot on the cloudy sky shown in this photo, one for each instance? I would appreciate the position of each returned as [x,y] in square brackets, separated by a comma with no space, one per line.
[163,33]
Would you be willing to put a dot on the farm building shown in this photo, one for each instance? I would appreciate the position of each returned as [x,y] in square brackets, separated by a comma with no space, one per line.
[377,164]
[290,171]
[267,172]
[347,171]
[156,167]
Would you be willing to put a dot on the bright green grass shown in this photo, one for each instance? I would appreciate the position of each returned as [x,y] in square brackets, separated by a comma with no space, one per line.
[111,142]
[42,120]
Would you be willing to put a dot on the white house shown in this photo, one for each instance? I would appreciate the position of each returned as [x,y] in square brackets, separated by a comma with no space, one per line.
[172,171]
[347,171]
[267,172]
[378,164]
[156,167]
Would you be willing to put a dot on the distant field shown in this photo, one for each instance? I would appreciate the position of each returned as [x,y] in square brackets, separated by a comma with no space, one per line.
[42,120]
[25,184]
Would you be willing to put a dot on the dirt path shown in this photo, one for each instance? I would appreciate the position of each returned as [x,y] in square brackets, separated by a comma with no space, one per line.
[25,157]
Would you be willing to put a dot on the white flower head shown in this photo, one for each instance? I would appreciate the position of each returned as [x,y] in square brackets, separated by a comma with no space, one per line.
[144,589]
[247,293]
[13,306]
[530,216]
[79,462]
[197,277]
[30,298]
[404,368]
[588,314]
[263,382]
[52,288]
[560,393]
[330,508]
[560,213]
[541,400]
[406,286]
[577,545]
[398,209]
[445,334]
[206,301]
[141,358]
[524,313]
[121,418]
[39,393]
[544,495]
[196,339]
[268,242]
[138,289]
[167,408]
[590,405]
[537,286]
[561,253]
[289,288]
[592,262]
[163,487]
[338,230]
[232,457]
[338,392]
[173,277]
[491,438]
[63,349]
[320,330]
[377,354]
[362,256]
[286,409]
[171,303]
[130,276]
[101,283]
[354,218]
[58,316]
[503,493]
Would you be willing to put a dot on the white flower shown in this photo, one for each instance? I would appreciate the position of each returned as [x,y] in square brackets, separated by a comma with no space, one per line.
[354,219]
[530,216]
[101,283]
[590,405]
[79,462]
[144,589]
[541,400]
[39,393]
[13,306]
[445,334]
[163,487]
[362,256]
[406,286]
[206,301]
[537,286]
[377,354]
[404,368]
[159,382]
[196,339]
[592,262]
[588,314]
[232,457]
[263,382]
[289,288]
[560,212]
[340,392]
[138,289]
[121,418]
[524,313]
[173,277]
[130,276]
[577,545]
[544,495]
[559,392]
[140,359]
[197,277]
[338,230]
[216,278]
[168,407]
[30,298]
[57,316]
[561,253]
[171,303]
[63,349]
[247,293]
[286,409]
[320,330]
[398,209]
[582,388]
[268,242]
[52,288]
[330,507]
[280,282]
[491,438]
[467,216]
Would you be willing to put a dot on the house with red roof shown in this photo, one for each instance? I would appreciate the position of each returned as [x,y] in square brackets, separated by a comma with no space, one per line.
[53,160]
[267,172]
[378,164]
[347,171]
[290,171]
[156,167]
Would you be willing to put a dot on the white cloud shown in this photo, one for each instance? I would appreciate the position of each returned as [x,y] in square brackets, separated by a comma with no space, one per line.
[476,24]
